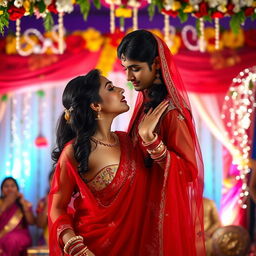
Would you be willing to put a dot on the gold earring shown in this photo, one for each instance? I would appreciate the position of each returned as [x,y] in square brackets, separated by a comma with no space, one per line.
[157,78]
[98,117]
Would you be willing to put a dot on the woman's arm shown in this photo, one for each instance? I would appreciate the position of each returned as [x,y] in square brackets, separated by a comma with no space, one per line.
[42,213]
[59,201]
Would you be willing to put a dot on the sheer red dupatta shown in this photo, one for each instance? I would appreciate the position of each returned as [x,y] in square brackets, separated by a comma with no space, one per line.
[112,220]
[180,223]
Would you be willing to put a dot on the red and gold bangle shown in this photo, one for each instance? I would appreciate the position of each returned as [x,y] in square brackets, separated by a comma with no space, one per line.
[158,149]
[160,155]
[75,247]
[71,241]
[152,144]
[161,158]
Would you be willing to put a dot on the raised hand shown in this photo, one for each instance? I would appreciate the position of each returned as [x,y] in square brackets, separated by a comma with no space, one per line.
[26,205]
[150,120]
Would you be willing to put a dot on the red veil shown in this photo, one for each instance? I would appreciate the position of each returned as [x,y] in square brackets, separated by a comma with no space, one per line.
[180,178]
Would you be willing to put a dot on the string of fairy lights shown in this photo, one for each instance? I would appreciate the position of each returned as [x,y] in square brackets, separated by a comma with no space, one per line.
[21,140]
[239,105]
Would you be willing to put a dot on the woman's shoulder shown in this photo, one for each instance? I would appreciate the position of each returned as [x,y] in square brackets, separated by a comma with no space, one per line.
[67,153]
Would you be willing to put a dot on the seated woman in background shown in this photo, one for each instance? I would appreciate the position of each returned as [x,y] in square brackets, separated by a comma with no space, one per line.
[15,215]
[42,214]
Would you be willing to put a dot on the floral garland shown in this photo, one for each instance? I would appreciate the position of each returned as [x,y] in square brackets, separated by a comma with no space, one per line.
[93,40]
[210,10]
[201,9]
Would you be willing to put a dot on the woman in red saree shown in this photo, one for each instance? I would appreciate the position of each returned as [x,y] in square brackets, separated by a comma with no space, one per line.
[15,215]
[178,174]
[100,191]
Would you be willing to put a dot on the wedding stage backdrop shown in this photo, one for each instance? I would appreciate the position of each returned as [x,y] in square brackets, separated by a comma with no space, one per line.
[31,86]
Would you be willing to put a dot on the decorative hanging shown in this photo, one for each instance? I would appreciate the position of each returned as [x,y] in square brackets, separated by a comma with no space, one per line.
[112,18]
[61,32]
[217,33]
[166,29]
[237,110]
[18,35]
[41,140]
[135,18]
[201,37]
[26,128]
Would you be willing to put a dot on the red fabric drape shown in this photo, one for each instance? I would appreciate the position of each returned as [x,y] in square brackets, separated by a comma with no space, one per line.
[212,73]
[123,218]
[201,73]
[17,72]
[181,183]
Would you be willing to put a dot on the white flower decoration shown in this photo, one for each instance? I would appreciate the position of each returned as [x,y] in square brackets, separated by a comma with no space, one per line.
[3,3]
[47,2]
[18,3]
[64,6]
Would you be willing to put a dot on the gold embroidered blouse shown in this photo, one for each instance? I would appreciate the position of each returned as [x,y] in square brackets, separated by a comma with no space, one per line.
[103,178]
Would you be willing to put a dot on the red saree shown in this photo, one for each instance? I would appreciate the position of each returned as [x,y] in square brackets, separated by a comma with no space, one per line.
[177,182]
[112,220]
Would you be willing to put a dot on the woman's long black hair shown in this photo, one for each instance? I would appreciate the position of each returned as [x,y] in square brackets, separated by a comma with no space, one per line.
[79,93]
[141,45]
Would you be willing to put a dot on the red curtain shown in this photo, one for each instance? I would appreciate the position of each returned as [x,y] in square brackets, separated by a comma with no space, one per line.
[17,72]
[202,73]
[213,73]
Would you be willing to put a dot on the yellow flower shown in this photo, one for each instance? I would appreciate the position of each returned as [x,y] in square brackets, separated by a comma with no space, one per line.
[157,32]
[232,40]
[222,8]
[188,9]
[93,38]
[54,37]
[176,43]
[209,35]
[176,5]
[1,12]
[107,58]
[10,47]
[26,5]
[25,45]
[123,12]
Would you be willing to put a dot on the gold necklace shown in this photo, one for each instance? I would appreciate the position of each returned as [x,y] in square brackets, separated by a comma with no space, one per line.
[105,144]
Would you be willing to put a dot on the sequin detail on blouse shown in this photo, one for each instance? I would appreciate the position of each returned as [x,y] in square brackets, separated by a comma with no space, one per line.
[104,177]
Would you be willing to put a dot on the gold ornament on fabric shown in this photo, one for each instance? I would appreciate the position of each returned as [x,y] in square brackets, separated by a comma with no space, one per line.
[12,223]
[67,115]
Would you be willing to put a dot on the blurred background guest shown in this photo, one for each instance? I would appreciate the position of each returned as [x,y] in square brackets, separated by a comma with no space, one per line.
[211,223]
[15,216]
